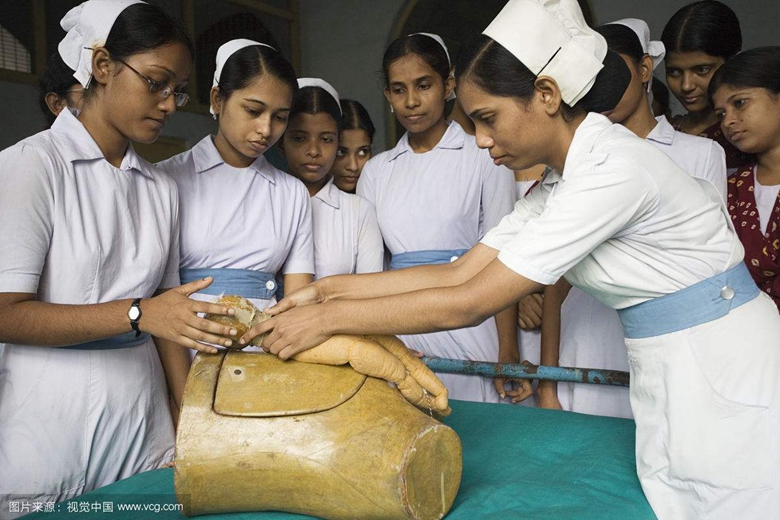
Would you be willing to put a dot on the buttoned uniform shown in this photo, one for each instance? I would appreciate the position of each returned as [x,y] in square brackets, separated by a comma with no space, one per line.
[442,200]
[628,226]
[76,230]
[347,239]
[254,219]
[591,333]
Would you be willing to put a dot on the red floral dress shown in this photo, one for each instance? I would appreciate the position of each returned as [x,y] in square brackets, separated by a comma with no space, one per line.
[762,250]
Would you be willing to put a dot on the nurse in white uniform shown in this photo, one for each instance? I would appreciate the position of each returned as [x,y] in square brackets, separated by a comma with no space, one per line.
[591,335]
[621,221]
[242,219]
[88,233]
[435,195]
[346,233]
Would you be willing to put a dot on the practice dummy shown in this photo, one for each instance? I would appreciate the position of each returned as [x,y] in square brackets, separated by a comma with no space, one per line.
[314,436]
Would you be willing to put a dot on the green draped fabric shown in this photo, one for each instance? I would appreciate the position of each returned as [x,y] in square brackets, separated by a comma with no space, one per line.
[517,463]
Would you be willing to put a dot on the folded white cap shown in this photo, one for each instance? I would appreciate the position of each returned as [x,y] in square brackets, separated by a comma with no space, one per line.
[446,51]
[551,38]
[327,87]
[655,49]
[225,51]
[87,26]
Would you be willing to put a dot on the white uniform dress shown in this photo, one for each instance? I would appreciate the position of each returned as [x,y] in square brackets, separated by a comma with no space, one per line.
[591,332]
[346,234]
[443,200]
[529,340]
[627,225]
[256,218]
[76,230]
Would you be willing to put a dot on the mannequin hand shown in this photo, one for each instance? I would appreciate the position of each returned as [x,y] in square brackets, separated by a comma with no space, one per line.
[172,315]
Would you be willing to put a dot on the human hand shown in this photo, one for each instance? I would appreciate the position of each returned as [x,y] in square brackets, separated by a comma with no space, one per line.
[172,315]
[293,331]
[547,395]
[312,294]
[529,312]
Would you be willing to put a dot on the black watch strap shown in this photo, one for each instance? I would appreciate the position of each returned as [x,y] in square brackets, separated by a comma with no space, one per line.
[134,320]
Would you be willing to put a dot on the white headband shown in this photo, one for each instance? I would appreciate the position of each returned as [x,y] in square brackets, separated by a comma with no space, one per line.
[225,51]
[324,85]
[88,26]
[446,52]
[654,49]
[551,38]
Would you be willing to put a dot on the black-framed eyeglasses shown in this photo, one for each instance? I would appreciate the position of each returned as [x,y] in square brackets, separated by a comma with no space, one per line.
[162,90]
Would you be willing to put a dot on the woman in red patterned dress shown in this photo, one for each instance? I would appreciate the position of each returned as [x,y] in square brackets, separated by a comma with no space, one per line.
[746,95]
[699,38]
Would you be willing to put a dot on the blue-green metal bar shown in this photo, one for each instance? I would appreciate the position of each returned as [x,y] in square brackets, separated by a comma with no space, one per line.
[541,372]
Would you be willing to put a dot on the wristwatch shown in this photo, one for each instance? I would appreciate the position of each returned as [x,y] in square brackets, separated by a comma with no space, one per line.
[134,313]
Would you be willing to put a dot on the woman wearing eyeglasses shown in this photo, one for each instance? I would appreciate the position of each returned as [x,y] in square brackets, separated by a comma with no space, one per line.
[88,236]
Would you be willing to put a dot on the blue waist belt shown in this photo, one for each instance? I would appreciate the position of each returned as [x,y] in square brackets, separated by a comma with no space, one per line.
[243,282]
[126,340]
[428,257]
[700,303]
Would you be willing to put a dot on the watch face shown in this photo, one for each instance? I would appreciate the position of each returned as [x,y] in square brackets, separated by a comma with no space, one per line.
[134,313]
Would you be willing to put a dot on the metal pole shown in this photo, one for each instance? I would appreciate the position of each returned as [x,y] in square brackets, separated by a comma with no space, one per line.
[519,371]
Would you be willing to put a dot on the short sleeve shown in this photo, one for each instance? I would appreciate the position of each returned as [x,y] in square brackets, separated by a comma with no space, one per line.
[300,260]
[716,169]
[596,203]
[371,251]
[365,186]
[527,208]
[26,218]
[171,276]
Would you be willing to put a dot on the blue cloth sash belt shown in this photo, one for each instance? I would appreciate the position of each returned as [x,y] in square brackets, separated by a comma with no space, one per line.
[700,303]
[126,340]
[427,257]
[243,282]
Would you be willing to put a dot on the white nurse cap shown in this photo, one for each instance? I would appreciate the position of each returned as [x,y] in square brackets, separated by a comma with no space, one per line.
[324,85]
[439,41]
[446,52]
[87,26]
[654,49]
[225,51]
[551,36]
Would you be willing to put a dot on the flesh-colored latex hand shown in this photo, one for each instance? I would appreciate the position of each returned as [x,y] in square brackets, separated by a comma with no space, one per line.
[384,357]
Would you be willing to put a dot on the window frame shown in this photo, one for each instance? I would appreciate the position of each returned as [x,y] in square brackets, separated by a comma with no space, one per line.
[291,15]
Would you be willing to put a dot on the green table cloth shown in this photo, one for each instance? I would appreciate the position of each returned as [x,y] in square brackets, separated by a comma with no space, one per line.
[517,463]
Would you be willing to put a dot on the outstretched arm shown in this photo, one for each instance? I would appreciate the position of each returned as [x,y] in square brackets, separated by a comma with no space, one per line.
[469,303]
[376,285]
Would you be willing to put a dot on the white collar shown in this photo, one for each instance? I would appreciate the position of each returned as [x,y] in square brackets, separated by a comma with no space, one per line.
[206,156]
[453,139]
[329,194]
